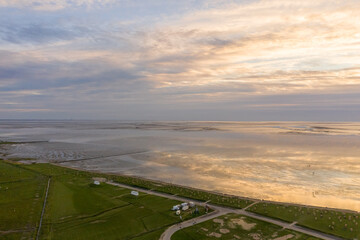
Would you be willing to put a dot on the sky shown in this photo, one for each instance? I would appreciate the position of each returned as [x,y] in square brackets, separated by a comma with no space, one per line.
[233,60]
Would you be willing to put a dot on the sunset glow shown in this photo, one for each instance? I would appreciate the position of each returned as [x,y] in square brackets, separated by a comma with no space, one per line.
[239,59]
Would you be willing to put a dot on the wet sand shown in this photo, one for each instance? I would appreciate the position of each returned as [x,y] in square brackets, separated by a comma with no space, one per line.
[307,163]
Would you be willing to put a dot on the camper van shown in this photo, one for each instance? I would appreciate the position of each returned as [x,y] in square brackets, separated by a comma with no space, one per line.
[184,204]
[175,208]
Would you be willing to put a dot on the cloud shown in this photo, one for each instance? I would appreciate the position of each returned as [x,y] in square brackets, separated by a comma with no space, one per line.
[56,5]
[35,33]
[220,54]
[34,73]
[53,5]
[24,110]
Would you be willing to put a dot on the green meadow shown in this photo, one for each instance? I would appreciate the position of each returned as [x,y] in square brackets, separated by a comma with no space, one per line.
[76,208]
[22,195]
[340,223]
[213,198]
[187,192]
[234,226]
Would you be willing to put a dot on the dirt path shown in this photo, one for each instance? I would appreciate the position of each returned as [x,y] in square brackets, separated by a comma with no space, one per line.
[250,205]
[15,231]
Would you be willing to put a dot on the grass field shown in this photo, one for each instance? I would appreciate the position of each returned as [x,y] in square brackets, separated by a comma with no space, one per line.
[218,199]
[214,198]
[22,193]
[342,224]
[78,209]
[234,226]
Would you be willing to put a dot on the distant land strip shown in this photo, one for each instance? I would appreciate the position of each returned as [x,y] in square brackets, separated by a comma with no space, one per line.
[92,158]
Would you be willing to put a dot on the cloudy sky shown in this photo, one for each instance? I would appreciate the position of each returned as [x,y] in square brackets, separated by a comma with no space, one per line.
[180,60]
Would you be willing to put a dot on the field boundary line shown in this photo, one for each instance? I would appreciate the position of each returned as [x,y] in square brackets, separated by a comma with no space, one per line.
[43,209]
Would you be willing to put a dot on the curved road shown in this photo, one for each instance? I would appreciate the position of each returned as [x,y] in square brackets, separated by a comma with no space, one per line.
[219,211]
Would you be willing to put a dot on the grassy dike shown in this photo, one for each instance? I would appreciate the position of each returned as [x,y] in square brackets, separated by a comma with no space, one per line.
[345,224]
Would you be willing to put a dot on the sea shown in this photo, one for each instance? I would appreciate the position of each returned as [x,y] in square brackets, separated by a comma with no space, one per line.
[311,163]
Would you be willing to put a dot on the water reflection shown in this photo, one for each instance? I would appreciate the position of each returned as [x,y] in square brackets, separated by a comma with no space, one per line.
[308,163]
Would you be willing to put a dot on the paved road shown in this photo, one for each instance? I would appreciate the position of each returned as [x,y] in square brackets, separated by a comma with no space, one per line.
[165,195]
[219,211]
[174,228]
[291,226]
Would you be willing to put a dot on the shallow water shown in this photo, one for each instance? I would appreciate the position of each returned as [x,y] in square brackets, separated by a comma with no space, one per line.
[301,162]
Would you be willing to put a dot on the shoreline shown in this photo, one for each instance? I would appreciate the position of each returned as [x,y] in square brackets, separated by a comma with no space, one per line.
[212,192]
[247,206]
